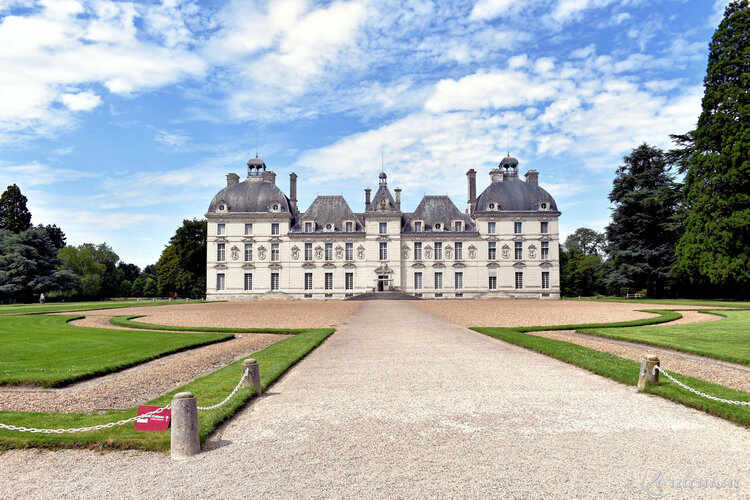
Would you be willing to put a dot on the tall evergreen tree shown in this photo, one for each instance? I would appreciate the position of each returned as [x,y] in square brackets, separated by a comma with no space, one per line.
[642,235]
[14,216]
[715,246]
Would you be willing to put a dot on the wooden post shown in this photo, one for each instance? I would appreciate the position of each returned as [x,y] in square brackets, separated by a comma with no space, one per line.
[253,378]
[648,373]
[186,440]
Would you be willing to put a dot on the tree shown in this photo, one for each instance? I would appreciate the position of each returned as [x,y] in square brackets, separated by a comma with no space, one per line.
[14,216]
[643,234]
[95,265]
[580,263]
[588,241]
[166,271]
[182,265]
[715,246]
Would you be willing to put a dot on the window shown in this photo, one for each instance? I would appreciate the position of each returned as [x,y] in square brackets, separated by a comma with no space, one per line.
[492,250]
[383,228]
[308,227]
[221,252]
[418,226]
[438,281]
[459,246]
[349,227]
[545,279]
[274,282]
[545,250]
[248,229]
[544,227]
[491,227]
[248,281]
[274,252]
[519,280]
[491,206]
[220,282]
[459,282]
[517,228]
[248,252]
[349,281]
[438,250]
[221,229]
[329,251]
[275,228]
[308,251]
[329,227]
[438,226]
[493,282]
[308,281]
[329,281]
[349,251]
[417,281]
[418,250]
[457,226]
[383,250]
[519,250]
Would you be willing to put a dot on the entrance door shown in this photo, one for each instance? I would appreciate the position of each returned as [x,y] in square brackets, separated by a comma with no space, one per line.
[382,283]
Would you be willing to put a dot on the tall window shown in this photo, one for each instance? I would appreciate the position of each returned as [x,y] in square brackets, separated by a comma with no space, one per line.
[248,281]
[308,227]
[459,282]
[438,250]
[545,279]
[329,251]
[517,227]
[493,282]
[329,281]
[438,281]
[308,251]
[417,281]
[349,281]
[545,250]
[308,281]
[349,251]
[519,280]
[275,228]
[459,246]
[349,227]
[248,229]
[383,228]
[492,250]
[221,254]
[491,227]
[544,227]
[418,250]
[457,226]
[248,252]
[383,250]
[519,250]
[275,282]
[418,226]
[221,229]
[220,281]
[274,252]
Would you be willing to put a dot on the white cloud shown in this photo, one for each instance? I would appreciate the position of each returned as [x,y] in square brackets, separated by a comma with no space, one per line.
[82,101]
[173,140]
[490,9]
[38,174]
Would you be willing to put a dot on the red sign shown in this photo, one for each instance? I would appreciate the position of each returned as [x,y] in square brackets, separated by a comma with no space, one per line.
[155,422]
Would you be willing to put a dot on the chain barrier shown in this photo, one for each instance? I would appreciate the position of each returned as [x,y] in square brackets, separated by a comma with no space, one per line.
[714,398]
[119,422]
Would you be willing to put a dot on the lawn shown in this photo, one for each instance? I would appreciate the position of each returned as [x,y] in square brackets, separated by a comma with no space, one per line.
[728,339]
[127,322]
[47,351]
[82,306]
[671,302]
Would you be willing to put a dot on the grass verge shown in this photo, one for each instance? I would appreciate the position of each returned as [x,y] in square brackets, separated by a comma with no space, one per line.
[126,321]
[671,302]
[273,361]
[31,309]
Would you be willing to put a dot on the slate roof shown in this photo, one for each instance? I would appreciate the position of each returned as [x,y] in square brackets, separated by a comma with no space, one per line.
[434,209]
[328,210]
[514,195]
[251,195]
[383,193]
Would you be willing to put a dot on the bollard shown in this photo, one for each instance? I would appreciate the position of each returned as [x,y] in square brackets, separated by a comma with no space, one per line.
[253,379]
[186,440]
[648,374]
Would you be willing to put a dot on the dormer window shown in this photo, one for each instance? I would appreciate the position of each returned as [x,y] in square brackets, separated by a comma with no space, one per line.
[309,227]
[275,207]
[491,206]
[458,226]
[349,226]
[543,205]
[418,226]
[329,227]
[438,226]
[221,208]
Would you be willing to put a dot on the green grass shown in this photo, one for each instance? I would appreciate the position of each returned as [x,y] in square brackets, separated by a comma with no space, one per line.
[662,316]
[126,321]
[47,351]
[626,371]
[273,361]
[672,302]
[728,339]
[83,306]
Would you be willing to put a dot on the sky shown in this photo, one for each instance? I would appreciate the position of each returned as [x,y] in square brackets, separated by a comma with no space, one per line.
[120,119]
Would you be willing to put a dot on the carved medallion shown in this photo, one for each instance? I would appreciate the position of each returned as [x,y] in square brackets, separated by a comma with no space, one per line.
[360,252]
[339,252]
[532,252]
[319,252]
[428,252]
[472,252]
[235,253]
[262,252]
[449,252]
[295,252]
[506,252]
[405,252]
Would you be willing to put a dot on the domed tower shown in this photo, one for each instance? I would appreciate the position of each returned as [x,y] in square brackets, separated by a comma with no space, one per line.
[508,193]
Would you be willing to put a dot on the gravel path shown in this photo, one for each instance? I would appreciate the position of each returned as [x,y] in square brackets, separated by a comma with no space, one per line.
[400,403]
[136,385]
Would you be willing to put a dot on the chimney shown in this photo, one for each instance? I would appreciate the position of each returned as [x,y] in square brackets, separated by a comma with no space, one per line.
[232,179]
[532,177]
[471,177]
[367,199]
[269,176]
[398,199]
[293,190]
[496,175]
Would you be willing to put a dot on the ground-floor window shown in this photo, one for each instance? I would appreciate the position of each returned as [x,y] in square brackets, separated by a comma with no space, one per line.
[308,281]
[438,281]
[519,280]
[220,282]
[349,281]
[274,282]
[329,281]
[545,279]
[248,281]
[459,280]
[417,281]
[493,282]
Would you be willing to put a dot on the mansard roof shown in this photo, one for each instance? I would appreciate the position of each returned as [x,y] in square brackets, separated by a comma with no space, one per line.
[511,194]
[383,201]
[326,210]
[254,194]
[437,209]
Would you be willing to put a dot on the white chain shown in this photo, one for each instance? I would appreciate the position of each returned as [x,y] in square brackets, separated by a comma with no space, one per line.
[244,376]
[84,429]
[670,377]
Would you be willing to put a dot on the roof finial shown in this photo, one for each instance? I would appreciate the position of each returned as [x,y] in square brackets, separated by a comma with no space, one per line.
[382,158]
[507,131]
[256,142]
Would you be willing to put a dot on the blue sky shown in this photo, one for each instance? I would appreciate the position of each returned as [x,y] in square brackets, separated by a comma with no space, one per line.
[120,119]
